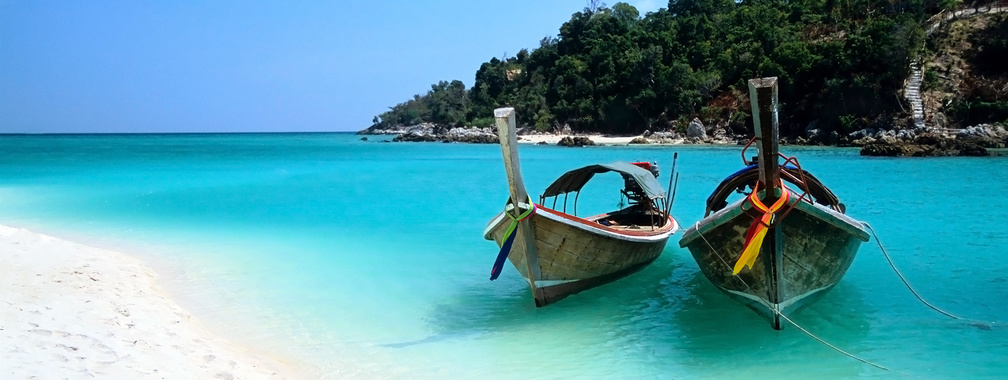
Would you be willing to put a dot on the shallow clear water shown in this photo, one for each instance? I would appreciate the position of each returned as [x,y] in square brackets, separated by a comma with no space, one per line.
[364,258]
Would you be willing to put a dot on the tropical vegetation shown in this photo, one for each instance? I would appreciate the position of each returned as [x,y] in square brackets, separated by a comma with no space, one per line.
[841,66]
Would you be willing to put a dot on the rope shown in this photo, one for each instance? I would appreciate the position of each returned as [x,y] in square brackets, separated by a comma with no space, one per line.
[907,283]
[838,349]
[793,323]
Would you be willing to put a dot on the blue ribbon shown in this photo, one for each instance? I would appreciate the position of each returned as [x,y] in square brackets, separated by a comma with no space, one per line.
[509,237]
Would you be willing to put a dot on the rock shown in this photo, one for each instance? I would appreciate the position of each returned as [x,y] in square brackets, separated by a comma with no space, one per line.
[862,133]
[430,132]
[986,135]
[639,140]
[664,135]
[696,130]
[939,120]
[880,149]
[423,128]
[363,138]
[888,147]
[471,135]
[972,149]
[925,145]
[575,141]
[862,141]
[813,136]
[414,137]
[814,124]
[906,135]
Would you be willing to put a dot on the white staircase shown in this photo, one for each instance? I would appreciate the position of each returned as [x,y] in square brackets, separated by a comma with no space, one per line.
[912,93]
[912,88]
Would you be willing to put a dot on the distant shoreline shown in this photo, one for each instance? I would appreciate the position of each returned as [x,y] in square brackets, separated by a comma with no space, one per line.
[980,140]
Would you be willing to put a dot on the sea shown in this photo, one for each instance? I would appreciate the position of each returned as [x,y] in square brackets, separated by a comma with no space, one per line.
[366,259]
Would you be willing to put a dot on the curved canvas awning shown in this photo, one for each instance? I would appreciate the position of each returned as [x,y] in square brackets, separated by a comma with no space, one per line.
[575,179]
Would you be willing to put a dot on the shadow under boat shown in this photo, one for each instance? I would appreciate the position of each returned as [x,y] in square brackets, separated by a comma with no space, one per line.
[475,311]
[706,328]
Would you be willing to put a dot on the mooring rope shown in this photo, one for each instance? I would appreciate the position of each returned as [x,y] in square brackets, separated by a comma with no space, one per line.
[838,349]
[793,323]
[912,290]
[905,282]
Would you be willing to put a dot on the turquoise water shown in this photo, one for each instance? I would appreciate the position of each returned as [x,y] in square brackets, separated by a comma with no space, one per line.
[366,259]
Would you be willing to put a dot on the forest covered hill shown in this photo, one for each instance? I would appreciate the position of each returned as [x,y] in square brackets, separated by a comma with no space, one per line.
[842,66]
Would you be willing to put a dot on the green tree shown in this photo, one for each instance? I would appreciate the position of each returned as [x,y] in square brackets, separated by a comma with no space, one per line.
[609,69]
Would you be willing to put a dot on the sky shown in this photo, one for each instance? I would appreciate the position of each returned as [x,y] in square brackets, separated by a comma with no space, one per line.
[248,66]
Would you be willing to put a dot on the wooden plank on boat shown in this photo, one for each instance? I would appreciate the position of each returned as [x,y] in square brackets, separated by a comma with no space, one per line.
[505,119]
[763,96]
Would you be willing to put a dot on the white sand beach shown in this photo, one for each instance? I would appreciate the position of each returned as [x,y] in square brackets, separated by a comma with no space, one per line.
[70,311]
[552,139]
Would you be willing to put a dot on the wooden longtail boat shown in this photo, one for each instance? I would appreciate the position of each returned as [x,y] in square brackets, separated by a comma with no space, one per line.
[560,254]
[809,243]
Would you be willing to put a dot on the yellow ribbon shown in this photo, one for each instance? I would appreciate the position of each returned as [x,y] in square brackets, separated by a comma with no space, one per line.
[758,229]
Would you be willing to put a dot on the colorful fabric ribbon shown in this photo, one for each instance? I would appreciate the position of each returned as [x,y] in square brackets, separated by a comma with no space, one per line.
[758,229]
[509,236]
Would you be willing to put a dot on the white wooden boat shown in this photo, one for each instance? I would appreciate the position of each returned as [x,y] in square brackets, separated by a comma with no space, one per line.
[562,254]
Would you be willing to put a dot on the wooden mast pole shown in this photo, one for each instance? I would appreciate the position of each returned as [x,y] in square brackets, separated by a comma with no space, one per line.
[763,96]
[506,131]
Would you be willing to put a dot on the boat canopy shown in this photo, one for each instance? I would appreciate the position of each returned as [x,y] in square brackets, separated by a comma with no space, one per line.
[575,179]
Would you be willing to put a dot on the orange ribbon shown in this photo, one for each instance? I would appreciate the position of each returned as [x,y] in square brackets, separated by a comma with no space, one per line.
[758,229]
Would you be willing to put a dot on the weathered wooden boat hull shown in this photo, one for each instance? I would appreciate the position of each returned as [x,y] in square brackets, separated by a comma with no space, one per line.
[817,246]
[574,254]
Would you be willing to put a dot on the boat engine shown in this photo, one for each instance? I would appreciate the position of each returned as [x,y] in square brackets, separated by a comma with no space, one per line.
[632,190]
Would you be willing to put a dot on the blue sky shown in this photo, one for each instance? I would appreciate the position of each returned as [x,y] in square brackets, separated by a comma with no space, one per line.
[228,66]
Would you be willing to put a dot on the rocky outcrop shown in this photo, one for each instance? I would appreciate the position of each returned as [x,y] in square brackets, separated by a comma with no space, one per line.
[664,137]
[575,141]
[926,145]
[396,130]
[696,133]
[639,141]
[996,136]
[431,133]
[919,142]
[696,130]
[814,135]
[472,135]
